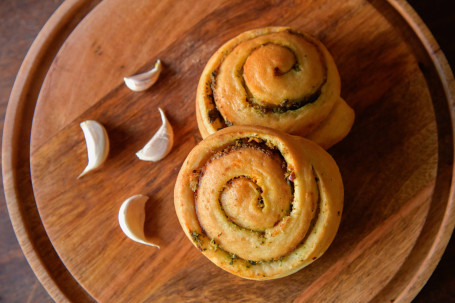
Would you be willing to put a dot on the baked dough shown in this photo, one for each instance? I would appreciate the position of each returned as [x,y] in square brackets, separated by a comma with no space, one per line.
[276,77]
[258,202]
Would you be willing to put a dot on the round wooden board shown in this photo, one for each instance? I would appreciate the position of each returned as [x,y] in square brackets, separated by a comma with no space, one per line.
[397,162]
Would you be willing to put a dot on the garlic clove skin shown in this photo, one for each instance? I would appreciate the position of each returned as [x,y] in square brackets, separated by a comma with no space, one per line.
[131,218]
[141,82]
[161,143]
[97,142]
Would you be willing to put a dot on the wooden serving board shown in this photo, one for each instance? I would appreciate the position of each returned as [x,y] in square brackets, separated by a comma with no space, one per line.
[397,162]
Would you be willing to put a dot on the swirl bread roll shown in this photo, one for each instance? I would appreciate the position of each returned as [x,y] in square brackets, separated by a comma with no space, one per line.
[258,202]
[276,77]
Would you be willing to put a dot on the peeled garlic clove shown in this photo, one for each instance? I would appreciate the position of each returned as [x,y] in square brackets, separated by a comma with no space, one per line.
[143,81]
[161,143]
[131,218]
[97,144]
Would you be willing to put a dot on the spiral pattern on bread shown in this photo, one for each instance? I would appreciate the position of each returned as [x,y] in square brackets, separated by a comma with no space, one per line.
[258,202]
[276,77]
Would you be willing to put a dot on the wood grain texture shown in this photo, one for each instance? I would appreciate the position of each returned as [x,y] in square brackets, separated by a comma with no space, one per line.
[25,216]
[390,176]
[19,26]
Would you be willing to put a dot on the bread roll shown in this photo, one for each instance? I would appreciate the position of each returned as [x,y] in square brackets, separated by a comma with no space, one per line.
[258,202]
[276,77]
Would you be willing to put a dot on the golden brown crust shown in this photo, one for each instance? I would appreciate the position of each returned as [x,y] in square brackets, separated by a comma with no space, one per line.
[335,127]
[258,202]
[276,77]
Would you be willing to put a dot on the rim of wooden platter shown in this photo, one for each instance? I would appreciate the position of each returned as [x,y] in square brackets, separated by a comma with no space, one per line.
[21,204]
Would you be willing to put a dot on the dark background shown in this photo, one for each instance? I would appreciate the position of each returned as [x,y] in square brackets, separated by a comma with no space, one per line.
[20,22]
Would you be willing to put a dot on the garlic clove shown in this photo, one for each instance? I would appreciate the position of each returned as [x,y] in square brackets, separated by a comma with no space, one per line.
[131,218]
[141,82]
[161,143]
[97,143]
